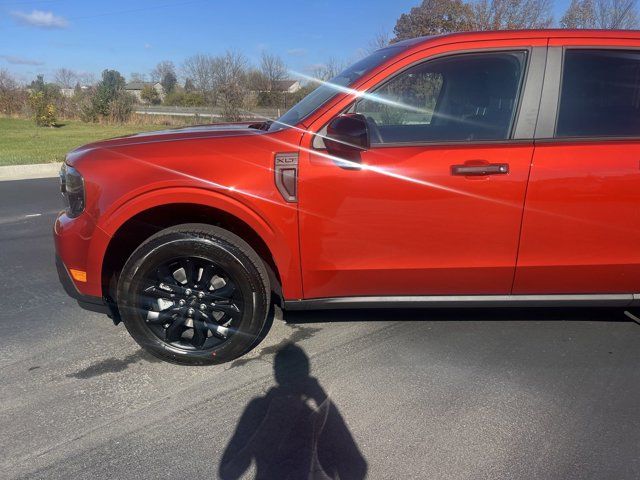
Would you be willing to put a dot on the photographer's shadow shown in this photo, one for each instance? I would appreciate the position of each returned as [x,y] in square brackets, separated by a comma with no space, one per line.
[294,431]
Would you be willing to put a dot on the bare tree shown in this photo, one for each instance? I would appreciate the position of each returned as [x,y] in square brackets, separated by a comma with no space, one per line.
[329,69]
[230,80]
[86,78]
[138,77]
[165,73]
[162,68]
[7,81]
[379,40]
[580,14]
[256,81]
[223,79]
[612,14]
[510,14]
[273,69]
[607,14]
[200,70]
[12,97]
[65,78]
[229,68]
[189,86]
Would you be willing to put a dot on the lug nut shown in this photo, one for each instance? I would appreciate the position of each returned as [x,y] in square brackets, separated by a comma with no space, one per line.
[188,291]
[181,302]
[200,294]
[203,306]
[190,312]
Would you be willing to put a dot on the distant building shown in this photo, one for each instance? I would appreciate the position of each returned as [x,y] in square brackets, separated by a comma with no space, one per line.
[135,88]
[288,86]
[70,92]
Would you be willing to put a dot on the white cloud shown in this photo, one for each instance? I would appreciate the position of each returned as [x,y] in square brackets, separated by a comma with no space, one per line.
[20,60]
[40,19]
[297,52]
[147,46]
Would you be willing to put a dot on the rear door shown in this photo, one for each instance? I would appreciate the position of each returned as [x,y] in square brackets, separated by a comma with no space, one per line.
[410,221]
[581,223]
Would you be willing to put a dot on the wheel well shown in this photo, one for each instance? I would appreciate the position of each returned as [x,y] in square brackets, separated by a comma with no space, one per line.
[140,227]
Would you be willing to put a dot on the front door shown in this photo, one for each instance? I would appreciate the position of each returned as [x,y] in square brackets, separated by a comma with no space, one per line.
[435,205]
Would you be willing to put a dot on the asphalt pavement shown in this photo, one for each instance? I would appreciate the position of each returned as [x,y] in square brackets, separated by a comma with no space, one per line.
[496,394]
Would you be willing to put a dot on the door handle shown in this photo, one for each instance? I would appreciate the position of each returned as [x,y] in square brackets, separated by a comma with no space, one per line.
[480,170]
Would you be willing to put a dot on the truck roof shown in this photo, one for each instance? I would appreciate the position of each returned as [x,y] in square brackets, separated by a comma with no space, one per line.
[514,34]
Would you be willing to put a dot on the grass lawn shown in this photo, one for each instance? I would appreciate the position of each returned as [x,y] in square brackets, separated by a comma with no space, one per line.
[21,142]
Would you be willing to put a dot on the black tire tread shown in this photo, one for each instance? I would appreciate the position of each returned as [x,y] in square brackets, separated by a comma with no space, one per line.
[206,231]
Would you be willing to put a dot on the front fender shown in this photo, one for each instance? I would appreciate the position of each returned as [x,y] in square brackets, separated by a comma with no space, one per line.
[281,239]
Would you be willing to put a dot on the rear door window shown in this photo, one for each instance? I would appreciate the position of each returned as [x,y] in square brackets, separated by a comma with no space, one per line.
[600,95]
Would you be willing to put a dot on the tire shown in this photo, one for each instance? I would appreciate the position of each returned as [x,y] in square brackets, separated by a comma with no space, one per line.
[175,318]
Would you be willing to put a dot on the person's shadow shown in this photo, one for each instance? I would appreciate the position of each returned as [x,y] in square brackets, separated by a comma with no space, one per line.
[294,431]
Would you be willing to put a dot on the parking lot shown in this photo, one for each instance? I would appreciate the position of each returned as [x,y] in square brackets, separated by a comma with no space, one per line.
[459,394]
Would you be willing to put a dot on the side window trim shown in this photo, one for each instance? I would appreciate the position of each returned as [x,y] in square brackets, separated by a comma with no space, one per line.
[546,124]
[530,97]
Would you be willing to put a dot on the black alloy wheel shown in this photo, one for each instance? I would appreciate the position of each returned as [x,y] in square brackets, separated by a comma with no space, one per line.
[191,303]
[194,294]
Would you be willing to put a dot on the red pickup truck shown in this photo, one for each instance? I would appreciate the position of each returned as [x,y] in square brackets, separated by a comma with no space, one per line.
[472,169]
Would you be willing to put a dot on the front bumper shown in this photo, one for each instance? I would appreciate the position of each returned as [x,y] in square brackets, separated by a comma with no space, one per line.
[80,245]
[88,302]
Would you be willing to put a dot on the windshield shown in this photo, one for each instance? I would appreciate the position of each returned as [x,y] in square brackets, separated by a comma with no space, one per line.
[327,90]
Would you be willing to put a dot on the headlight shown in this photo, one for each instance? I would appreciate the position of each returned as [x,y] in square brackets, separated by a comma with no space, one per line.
[72,188]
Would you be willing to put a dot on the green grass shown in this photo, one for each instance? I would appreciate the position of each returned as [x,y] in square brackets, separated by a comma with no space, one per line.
[21,142]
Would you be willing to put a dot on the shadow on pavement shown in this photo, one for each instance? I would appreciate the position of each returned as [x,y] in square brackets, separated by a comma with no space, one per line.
[294,431]
[112,365]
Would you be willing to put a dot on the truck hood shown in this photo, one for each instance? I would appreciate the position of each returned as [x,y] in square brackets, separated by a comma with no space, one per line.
[176,134]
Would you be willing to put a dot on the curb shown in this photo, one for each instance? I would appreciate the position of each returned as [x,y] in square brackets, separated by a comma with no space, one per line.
[25,172]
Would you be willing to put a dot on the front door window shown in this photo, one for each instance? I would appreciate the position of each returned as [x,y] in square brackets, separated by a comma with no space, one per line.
[460,98]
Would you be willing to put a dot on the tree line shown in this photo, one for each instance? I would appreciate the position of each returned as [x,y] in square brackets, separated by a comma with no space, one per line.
[227,82]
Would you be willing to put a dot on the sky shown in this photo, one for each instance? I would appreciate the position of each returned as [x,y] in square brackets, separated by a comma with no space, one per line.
[39,36]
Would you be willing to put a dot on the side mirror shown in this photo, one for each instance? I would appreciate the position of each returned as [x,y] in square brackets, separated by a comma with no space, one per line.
[347,136]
